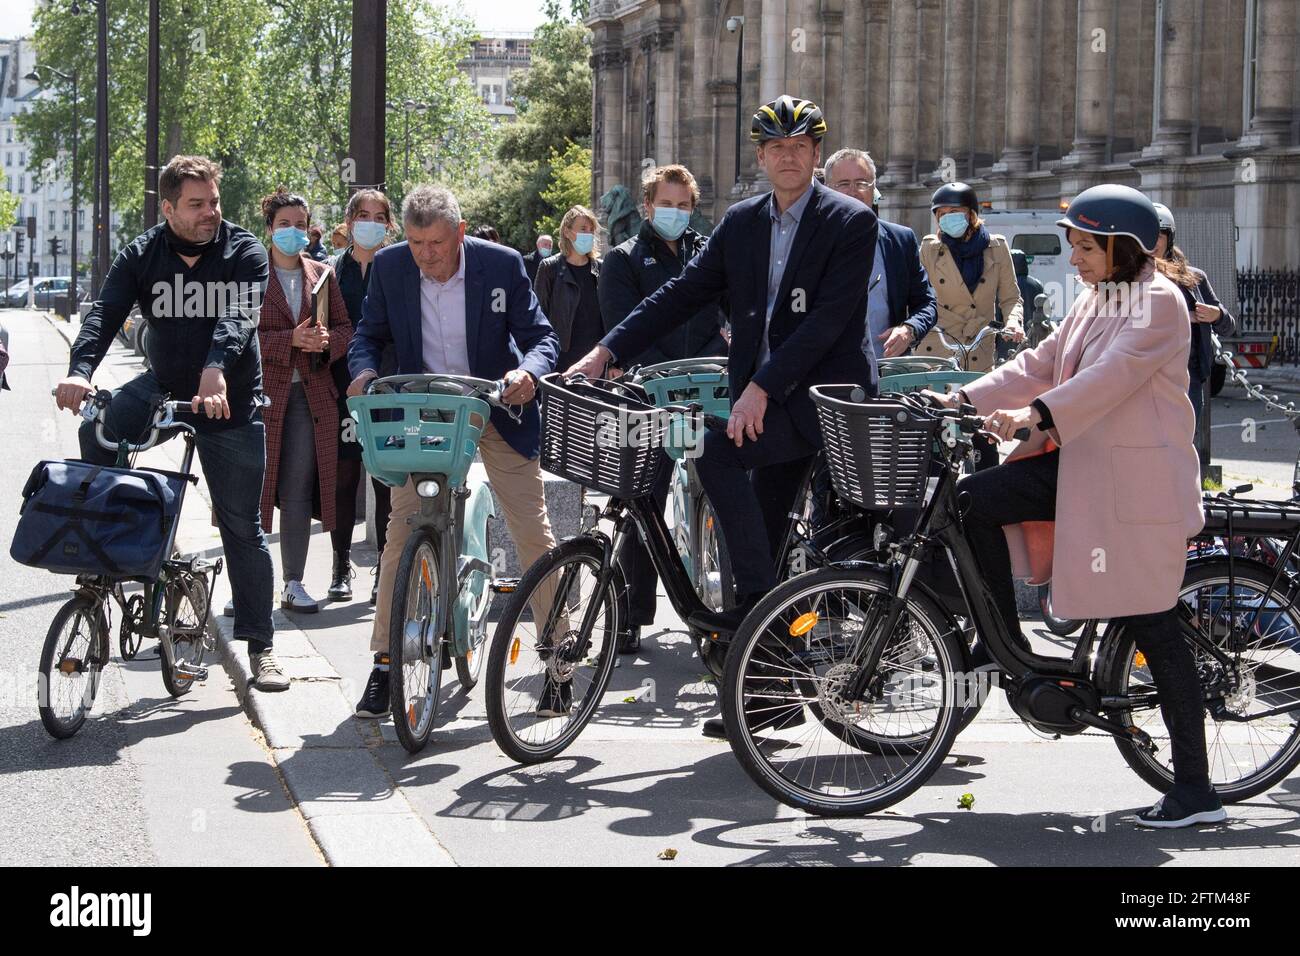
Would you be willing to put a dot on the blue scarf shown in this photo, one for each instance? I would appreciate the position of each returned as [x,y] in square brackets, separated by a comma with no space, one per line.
[969,255]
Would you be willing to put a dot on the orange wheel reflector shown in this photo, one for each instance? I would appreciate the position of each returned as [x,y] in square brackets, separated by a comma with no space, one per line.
[1139,659]
[410,715]
[70,665]
[514,651]
[424,573]
[804,623]
[469,656]
[709,522]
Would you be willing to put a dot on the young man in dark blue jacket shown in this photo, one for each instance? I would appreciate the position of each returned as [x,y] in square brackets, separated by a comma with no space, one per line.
[631,272]
[795,265]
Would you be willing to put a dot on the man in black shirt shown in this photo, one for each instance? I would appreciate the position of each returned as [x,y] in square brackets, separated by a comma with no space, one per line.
[198,281]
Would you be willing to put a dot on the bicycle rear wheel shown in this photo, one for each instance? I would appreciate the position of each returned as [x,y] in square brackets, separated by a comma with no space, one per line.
[469,669]
[791,654]
[74,655]
[545,677]
[415,652]
[186,615]
[1246,758]
[712,571]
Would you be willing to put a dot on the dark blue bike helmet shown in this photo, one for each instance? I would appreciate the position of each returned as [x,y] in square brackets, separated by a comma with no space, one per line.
[955,194]
[1114,210]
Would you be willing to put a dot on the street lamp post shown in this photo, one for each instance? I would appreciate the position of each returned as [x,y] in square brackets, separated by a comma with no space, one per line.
[151,123]
[408,107]
[34,76]
[737,26]
[101,219]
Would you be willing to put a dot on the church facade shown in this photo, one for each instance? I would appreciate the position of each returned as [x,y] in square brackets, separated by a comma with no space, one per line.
[1196,102]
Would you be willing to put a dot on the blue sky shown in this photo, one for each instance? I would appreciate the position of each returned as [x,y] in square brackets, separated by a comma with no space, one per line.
[508,15]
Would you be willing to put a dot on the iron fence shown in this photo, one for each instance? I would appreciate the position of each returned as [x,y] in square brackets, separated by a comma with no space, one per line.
[1269,302]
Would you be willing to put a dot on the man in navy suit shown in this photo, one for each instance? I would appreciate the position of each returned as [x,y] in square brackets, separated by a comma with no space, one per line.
[900,308]
[459,306]
[795,265]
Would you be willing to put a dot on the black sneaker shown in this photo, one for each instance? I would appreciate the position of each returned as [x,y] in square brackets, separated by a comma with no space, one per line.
[1175,810]
[630,642]
[556,699]
[374,702]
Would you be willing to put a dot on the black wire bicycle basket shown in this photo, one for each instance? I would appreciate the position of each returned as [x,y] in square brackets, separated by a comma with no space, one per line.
[878,451]
[603,435]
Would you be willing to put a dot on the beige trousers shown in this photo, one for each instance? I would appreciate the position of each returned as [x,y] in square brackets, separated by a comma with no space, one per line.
[520,495]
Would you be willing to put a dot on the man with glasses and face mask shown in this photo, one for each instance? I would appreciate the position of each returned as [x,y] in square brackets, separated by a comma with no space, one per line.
[900,304]
[545,246]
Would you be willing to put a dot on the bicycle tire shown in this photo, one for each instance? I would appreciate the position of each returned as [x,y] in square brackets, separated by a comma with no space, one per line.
[188,643]
[1060,626]
[711,557]
[507,644]
[469,669]
[421,548]
[1118,654]
[87,611]
[755,636]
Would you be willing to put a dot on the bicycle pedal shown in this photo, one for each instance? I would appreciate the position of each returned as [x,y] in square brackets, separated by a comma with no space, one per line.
[504,585]
[192,672]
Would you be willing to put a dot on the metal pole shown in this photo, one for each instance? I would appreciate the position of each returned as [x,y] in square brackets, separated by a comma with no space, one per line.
[151,123]
[367,136]
[73,294]
[406,111]
[101,123]
[740,50]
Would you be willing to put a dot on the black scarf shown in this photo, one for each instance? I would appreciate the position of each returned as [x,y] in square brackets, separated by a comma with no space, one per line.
[183,247]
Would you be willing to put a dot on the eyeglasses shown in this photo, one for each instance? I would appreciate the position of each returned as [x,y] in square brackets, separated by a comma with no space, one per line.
[857,185]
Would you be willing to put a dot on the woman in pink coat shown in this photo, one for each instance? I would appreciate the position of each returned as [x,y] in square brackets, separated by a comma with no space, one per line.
[1121,478]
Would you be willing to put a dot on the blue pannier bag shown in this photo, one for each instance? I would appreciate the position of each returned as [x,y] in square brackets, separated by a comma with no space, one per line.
[79,518]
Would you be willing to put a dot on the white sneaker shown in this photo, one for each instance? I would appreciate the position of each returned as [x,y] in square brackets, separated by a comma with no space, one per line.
[267,674]
[295,598]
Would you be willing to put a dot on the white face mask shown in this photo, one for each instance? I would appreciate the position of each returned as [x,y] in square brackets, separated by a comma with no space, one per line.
[543,250]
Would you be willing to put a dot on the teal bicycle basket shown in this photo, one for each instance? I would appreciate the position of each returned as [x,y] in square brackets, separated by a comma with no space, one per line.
[697,380]
[938,381]
[402,434]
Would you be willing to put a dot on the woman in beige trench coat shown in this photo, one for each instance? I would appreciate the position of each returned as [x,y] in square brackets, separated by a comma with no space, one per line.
[1109,388]
[972,275]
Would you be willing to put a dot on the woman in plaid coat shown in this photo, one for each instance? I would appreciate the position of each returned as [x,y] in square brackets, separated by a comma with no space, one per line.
[302,424]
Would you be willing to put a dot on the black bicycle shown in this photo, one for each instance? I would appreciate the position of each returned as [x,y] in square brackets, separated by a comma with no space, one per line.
[173,608]
[555,644]
[882,665]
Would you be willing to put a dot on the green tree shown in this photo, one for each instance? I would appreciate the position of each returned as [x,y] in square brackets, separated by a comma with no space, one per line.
[570,185]
[263,87]
[8,210]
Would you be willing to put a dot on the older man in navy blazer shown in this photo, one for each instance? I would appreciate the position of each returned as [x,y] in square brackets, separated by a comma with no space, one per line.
[462,306]
[794,264]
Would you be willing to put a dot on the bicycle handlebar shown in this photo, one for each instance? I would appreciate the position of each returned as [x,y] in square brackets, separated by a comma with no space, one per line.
[95,404]
[468,386]
[966,415]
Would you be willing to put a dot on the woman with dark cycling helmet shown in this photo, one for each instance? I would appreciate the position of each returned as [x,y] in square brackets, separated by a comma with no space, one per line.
[1119,476]
[1207,313]
[972,275]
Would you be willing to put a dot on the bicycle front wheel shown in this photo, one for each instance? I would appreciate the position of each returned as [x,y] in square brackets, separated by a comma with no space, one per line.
[792,656]
[74,655]
[1248,752]
[415,652]
[545,673]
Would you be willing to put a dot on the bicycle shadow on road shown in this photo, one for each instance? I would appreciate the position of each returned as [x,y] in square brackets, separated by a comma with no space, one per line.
[962,837]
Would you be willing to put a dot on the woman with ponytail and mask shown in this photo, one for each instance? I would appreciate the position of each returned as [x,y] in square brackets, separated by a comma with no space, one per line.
[302,422]
[368,223]
[566,287]
[972,275]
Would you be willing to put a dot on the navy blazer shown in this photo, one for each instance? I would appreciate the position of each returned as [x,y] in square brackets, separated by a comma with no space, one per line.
[819,320]
[504,326]
[911,299]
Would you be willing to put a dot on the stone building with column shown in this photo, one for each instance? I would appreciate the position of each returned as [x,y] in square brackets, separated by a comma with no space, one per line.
[1196,102]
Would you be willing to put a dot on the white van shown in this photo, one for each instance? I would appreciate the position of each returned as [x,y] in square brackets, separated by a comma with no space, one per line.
[1035,233]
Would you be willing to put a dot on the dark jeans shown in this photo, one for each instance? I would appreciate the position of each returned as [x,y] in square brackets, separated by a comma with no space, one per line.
[234,462]
[1025,490]
[752,509]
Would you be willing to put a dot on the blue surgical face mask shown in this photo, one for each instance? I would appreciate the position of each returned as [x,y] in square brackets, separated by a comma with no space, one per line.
[954,224]
[368,234]
[670,223]
[290,240]
[584,242]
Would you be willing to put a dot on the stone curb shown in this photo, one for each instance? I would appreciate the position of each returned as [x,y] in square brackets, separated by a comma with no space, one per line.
[355,812]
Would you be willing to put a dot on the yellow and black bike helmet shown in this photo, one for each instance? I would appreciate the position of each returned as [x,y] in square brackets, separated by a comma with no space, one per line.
[787,116]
